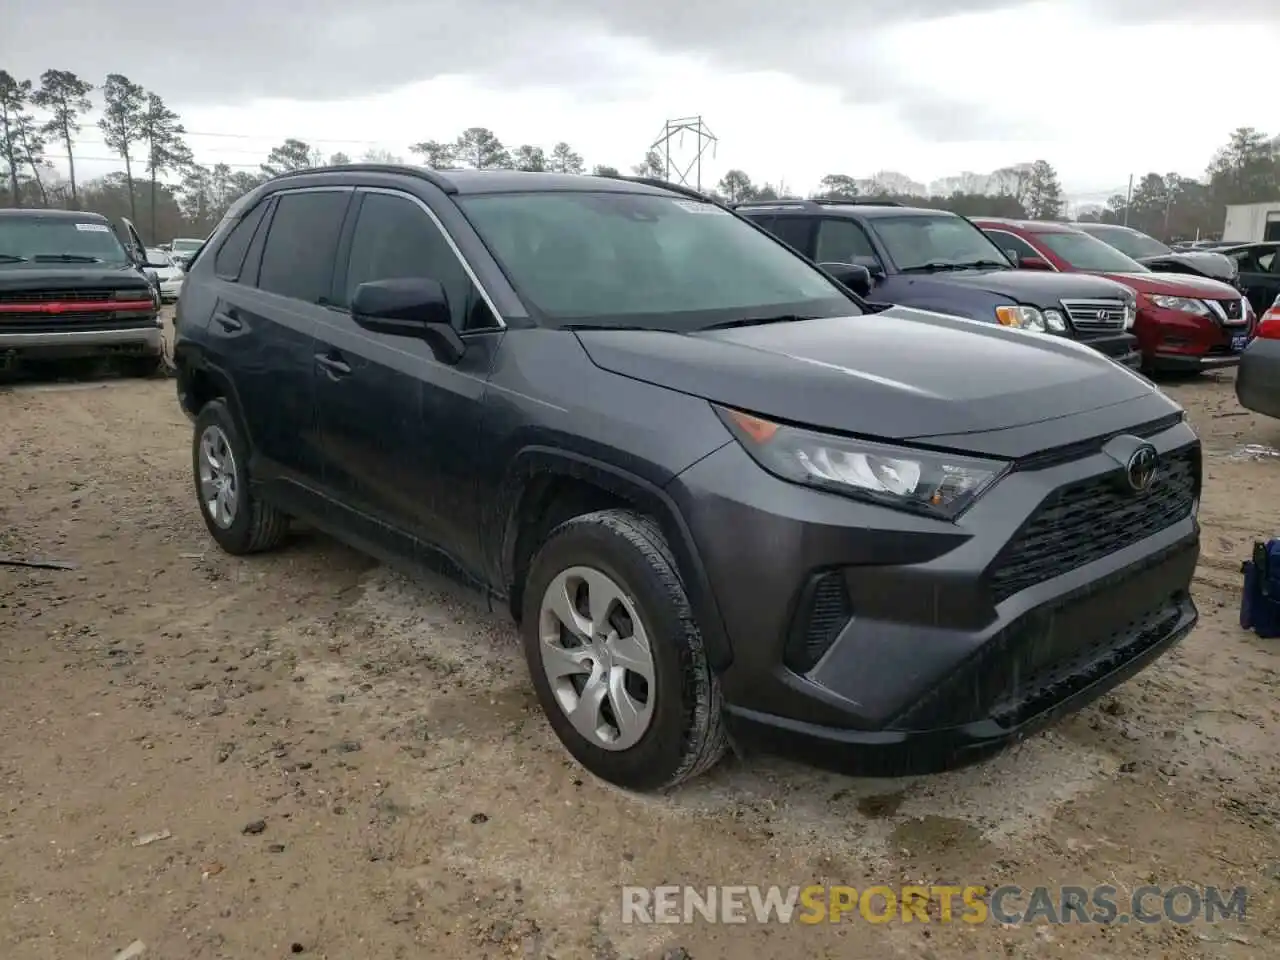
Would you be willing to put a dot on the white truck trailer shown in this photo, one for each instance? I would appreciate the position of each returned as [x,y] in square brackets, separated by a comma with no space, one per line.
[1251,222]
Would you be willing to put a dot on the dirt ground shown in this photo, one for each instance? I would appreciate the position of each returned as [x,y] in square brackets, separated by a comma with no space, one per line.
[344,764]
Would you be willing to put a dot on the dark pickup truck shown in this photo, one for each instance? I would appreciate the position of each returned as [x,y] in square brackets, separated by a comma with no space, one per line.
[935,260]
[71,290]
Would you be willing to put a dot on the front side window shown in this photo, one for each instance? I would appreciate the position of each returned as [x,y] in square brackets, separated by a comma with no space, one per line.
[1130,242]
[1011,243]
[394,238]
[843,241]
[302,242]
[1089,254]
[38,239]
[936,242]
[654,261]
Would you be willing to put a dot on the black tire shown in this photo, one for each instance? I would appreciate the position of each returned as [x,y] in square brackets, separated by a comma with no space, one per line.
[686,734]
[256,526]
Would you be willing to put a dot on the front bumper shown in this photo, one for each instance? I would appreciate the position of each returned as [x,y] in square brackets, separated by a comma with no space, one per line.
[1175,341]
[71,344]
[170,289]
[942,653]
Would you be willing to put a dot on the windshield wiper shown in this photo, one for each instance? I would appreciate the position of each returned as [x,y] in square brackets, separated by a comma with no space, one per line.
[972,264]
[755,321]
[11,258]
[66,258]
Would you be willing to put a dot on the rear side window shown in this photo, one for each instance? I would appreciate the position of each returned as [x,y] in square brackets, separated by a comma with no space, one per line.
[230,259]
[297,261]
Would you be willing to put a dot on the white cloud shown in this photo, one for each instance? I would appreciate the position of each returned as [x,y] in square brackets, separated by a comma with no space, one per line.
[1098,98]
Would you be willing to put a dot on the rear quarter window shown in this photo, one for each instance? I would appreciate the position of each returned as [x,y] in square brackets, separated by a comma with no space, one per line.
[229,260]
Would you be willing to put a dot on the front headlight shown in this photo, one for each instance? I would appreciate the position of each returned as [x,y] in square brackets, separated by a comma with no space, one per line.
[1054,321]
[939,484]
[1130,315]
[1181,304]
[1021,318]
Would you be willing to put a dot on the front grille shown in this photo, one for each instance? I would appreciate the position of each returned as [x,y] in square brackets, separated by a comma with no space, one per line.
[1095,315]
[1231,309]
[71,322]
[1088,520]
[65,296]
[822,612]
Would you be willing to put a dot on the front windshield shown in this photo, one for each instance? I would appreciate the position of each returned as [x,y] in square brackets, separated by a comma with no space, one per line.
[185,246]
[928,241]
[158,256]
[1131,242]
[52,239]
[1089,254]
[646,260]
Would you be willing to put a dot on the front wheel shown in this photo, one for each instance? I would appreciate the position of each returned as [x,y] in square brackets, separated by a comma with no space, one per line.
[615,655]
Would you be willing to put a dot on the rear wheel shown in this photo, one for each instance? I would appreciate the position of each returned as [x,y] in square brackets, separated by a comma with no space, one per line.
[615,656]
[235,516]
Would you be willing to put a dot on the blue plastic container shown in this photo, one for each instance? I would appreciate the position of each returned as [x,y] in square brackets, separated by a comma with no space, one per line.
[1260,598]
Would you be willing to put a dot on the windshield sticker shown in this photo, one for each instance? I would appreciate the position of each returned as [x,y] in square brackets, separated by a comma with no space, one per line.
[93,227]
[694,206]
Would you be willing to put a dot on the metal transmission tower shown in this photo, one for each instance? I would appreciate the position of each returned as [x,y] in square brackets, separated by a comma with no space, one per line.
[675,130]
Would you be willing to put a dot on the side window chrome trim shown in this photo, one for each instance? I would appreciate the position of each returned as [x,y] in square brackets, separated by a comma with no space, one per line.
[484,294]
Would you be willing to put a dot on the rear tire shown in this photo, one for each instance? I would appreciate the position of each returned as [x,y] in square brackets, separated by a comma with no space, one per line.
[237,519]
[611,574]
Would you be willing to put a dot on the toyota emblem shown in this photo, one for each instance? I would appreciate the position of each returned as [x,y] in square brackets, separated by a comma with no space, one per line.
[1142,467]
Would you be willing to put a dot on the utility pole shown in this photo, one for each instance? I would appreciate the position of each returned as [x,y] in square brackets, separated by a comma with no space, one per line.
[675,130]
[1128,200]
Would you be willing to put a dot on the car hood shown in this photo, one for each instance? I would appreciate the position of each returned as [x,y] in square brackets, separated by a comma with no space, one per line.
[1202,262]
[1033,287]
[897,374]
[1178,285]
[40,277]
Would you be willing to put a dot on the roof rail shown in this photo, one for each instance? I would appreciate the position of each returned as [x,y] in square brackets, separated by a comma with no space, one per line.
[679,188]
[857,201]
[809,202]
[422,173]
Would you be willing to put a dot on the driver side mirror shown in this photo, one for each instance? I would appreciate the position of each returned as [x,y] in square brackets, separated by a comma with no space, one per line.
[852,275]
[409,307]
[1033,263]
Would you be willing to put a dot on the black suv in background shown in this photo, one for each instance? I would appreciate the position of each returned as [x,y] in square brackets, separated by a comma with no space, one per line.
[71,290]
[718,491]
[936,260]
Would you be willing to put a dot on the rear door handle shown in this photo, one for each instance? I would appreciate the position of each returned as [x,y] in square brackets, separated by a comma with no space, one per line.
[335,365]
[227,322]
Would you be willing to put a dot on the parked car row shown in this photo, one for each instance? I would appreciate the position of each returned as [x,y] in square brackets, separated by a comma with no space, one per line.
[722,494]
[935,260]
[1184,322]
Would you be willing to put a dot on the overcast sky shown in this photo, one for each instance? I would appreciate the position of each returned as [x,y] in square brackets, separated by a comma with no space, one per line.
[793,90]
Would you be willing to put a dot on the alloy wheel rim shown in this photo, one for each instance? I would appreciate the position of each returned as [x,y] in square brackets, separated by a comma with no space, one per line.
[597,658]
[219,491]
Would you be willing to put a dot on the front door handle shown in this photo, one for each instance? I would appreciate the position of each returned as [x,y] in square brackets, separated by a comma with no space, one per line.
[335,365]
[227,322]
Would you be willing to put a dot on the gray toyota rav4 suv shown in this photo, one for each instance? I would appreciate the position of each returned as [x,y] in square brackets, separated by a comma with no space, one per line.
[725,499]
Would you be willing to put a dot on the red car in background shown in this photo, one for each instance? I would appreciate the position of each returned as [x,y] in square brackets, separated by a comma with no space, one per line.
[1184,323]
